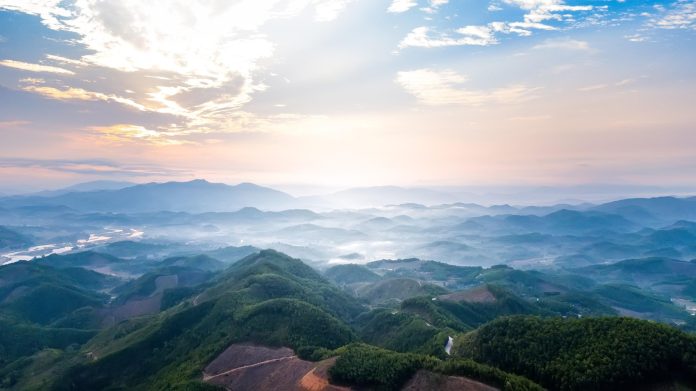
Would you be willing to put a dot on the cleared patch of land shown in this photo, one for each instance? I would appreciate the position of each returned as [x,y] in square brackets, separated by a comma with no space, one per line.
[251,367]
[424,380]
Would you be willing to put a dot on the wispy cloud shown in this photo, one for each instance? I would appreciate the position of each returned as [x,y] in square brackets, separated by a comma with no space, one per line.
[564,44]
[434,88]
[125,133]
[539,15]
[13,124]
[66,60]
[593,87]
[26,66]
[469,35]
[90,167]
[679,15]
[70,93]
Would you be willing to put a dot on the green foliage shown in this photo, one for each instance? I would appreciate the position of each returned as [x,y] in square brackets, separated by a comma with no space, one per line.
[174,296]
[638,300]
[582,354]
[48,302]
[439,271]
[369,366]
[20,339]
[293,323]
[33,273]
[486,374]
[202,262]
[398,289]
[313,353]
[350,274]
[270,274]
[268,298]
[146,285]
[400,331]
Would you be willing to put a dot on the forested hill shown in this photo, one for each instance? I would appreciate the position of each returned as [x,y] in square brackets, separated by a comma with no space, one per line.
[183,316]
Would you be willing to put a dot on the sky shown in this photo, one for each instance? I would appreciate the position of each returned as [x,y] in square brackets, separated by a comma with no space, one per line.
[348,92]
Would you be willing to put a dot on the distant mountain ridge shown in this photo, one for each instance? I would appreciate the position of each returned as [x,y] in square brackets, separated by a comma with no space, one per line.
[193,196]
[85,186]
[200,196]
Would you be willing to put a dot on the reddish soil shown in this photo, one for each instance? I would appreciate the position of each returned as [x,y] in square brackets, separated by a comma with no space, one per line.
[318,378]
[426,381]
[479,294]
[239,355]
[258,368]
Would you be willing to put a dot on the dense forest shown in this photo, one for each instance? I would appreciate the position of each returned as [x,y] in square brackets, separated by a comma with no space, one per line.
[581,354]
[499,337]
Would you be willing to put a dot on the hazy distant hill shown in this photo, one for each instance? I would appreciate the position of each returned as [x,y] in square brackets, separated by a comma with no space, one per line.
[12,239]
[194,196]
[560,222]
[86,186]
[360,197]
[653,210]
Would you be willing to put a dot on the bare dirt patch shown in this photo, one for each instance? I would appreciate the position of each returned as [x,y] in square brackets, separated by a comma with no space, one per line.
[318,378]
[258,368]
[425,381]
[240,355]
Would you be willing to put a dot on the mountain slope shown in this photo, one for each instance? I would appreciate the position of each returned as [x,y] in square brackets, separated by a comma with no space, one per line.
[266,298]
[583,354]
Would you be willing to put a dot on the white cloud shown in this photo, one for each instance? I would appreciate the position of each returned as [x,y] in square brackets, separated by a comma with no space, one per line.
[211,49]
[49,10]
[70,93]
[434,5]
[469,35]
[26,66]
[328,10]
[66,60]
[126,133]
[636,38]
[531,4]
[537,17]
[681,15]
[399,6]
[564,44]
[523,29]
[435,88]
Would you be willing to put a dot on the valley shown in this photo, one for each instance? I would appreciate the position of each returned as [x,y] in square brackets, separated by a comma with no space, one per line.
[394,297]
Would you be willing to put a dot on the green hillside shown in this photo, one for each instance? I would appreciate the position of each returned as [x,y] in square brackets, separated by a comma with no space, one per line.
[267,298]
[583,354]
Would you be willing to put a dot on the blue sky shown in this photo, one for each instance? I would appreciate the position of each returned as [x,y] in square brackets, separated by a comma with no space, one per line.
[348,92]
